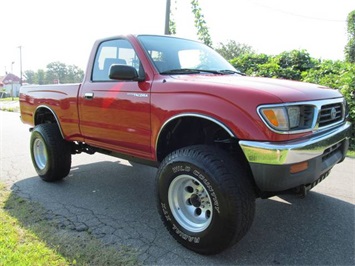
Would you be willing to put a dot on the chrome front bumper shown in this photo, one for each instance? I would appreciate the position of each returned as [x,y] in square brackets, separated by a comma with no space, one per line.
[271,162]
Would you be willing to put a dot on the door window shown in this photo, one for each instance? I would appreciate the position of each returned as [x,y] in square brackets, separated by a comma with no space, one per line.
[114,52]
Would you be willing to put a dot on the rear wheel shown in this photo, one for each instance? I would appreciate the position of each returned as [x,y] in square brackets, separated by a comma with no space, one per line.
[50,153]
[206,200]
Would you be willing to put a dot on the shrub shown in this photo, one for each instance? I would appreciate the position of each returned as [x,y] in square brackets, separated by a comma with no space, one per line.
[337,75]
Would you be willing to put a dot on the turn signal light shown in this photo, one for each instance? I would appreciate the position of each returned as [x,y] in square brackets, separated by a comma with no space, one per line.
[299,167]
[271,116]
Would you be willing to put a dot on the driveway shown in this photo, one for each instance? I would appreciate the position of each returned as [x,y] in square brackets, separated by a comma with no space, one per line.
[115,200]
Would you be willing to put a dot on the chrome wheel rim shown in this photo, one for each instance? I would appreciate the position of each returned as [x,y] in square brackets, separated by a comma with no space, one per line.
[190,203]
[40,153]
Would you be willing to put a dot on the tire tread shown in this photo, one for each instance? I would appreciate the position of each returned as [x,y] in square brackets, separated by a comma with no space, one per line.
[59,152]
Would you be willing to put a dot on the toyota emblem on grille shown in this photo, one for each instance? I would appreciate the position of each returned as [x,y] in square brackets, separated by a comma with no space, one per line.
[333,113]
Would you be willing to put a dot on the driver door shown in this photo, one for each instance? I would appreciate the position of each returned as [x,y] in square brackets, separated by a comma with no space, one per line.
[115,115]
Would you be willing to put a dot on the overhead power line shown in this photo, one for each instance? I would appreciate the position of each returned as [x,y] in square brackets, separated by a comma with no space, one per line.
[298,15]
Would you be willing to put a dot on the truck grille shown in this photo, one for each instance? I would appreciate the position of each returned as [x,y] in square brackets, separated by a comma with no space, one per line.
[330,114]
[307,114]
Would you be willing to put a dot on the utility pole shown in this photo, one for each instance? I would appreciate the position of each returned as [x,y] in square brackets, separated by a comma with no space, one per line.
[167,17]
[20,47]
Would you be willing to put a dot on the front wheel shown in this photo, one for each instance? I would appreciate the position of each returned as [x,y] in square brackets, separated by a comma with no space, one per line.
[50,153]
[206,199]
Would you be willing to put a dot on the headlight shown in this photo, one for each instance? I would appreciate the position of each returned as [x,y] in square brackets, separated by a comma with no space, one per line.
[281,118]
[294,113]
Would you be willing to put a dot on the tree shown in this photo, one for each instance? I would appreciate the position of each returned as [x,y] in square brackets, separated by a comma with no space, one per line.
[200,23]
[74,74]
[41,77]
[249,63]
[335,74]
[287,65]
[350,46]
[56,72]
[293,63]
[172,23]
[37,77]
[296,59]
[30,76]
[232,49]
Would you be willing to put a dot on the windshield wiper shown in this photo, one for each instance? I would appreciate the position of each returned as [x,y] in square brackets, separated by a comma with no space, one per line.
[222,72]
[198,71]
[228,71]
[181,71]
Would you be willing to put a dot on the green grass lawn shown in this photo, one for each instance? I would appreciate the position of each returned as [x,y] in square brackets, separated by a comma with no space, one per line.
[27,237]
[19,246]
[9,99]
[351,154]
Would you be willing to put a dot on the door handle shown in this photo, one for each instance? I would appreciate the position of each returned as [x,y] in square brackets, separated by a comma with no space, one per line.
[89,95]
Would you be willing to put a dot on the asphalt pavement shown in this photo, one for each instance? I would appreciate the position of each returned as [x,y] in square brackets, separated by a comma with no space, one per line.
[115,201]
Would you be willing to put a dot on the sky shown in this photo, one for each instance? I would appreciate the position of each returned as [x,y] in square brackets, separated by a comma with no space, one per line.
[53,30]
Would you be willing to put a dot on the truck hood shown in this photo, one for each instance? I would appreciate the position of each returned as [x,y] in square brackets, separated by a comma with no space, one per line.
[285,90]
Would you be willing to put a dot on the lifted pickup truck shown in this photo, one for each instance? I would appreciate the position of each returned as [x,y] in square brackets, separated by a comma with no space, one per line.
[219,139]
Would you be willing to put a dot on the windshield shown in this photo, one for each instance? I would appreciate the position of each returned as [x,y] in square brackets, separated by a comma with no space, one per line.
[180,56]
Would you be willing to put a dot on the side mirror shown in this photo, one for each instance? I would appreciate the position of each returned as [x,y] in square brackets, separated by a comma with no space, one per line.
[124,72]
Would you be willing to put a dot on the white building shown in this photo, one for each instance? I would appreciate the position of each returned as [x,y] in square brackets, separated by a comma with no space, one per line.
[10,84]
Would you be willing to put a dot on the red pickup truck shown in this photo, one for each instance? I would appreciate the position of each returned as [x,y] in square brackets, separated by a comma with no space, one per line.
[219,139]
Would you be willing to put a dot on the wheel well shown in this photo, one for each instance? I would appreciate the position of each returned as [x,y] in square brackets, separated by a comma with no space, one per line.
[44,115]
[187,131]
